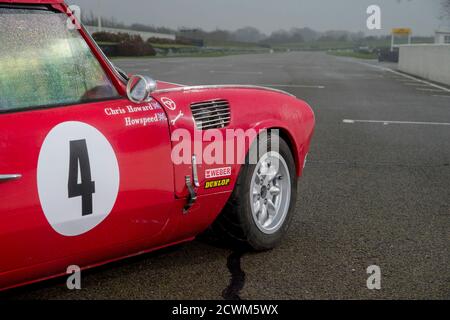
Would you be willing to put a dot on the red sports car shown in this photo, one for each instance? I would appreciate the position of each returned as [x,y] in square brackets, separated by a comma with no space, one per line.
[96,166]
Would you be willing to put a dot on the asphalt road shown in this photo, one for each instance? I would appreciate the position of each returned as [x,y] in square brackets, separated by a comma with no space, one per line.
[372,193]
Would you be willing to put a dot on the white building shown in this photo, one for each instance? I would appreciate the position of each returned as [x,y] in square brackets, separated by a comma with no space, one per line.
[442,37]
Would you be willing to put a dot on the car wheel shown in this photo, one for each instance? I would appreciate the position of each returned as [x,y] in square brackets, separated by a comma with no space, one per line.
[261,207]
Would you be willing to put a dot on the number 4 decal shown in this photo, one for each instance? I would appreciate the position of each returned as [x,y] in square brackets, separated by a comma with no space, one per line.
[66,172]
[79,158]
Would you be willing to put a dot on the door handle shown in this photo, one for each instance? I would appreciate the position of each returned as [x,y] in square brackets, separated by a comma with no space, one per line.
[7,177]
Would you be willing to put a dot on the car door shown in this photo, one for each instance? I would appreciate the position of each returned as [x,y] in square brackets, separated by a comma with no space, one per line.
[85,175]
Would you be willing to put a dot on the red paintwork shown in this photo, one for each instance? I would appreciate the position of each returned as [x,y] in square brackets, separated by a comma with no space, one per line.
[148,212]
[34,1]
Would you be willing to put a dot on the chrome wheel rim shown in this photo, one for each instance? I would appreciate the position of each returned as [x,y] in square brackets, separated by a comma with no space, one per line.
[270,192]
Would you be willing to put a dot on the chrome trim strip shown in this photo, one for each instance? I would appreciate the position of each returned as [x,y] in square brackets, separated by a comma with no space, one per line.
[209,104]
[207,110]
[214,121]
[208,116]
[195,171]
[108,61]
[223,86]
[7,177]
[175,84]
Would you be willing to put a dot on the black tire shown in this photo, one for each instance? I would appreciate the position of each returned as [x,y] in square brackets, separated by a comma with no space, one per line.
[236,224]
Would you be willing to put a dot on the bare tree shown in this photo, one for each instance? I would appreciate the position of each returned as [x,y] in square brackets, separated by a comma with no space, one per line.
[445,10]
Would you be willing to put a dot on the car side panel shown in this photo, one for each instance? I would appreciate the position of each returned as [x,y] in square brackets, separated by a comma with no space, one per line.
[250,109]
[143,212]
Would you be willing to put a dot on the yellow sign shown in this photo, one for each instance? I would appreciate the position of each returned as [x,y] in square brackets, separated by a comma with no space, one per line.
[402,31]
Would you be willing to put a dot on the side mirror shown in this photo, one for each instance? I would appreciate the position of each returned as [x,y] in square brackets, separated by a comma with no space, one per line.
[140,87]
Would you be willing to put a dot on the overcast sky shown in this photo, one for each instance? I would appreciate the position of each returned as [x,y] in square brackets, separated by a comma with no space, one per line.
[269,15]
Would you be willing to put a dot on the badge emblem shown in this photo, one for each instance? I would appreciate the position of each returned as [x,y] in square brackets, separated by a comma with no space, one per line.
[169,103]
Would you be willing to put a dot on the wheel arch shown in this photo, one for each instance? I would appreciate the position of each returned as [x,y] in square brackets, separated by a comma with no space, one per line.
[289,139]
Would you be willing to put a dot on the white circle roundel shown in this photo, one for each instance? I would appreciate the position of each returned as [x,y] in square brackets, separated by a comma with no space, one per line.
[78,178]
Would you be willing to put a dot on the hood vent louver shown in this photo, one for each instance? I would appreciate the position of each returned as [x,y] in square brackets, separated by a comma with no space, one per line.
[213,114]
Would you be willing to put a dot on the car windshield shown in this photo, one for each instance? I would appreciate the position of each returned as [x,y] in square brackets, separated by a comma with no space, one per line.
[45,62]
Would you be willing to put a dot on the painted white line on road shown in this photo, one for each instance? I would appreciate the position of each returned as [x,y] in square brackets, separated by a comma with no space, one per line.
[403,75]
[428,90]
[415,84]
[348,121]
[237,72]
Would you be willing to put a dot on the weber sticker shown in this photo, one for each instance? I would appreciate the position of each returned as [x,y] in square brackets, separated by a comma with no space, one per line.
[218,173]
[217,183]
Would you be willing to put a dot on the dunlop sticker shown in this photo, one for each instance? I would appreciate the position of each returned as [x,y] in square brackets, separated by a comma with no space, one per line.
[217,183]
